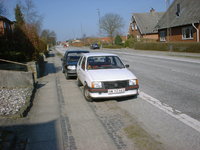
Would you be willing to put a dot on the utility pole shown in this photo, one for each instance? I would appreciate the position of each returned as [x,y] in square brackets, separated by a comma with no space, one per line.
[98,12]
[99,17]
[81,30]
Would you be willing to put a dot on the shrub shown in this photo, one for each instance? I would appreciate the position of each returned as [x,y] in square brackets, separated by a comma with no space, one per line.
[130,42]
[176,47]
[118,40]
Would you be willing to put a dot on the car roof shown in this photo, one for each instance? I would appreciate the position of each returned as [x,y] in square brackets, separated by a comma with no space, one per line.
[77,51]
[98,54]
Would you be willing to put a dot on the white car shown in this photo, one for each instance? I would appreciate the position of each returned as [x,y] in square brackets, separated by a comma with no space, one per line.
[104,76]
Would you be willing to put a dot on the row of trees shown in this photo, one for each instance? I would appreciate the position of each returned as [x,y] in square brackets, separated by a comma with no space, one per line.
[29,41]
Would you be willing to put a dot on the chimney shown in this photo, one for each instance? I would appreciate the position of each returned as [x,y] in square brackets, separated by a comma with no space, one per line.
[152,10]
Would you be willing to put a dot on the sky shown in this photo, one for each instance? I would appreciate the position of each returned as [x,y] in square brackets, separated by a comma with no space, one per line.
[71,19]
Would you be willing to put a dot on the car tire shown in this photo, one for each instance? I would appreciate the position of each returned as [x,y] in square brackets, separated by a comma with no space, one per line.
[135,96]
[66,76]
[86,94]
[63,71]
[79,82]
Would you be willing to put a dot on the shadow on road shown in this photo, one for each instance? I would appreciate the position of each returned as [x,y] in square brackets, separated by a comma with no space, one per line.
[49,69]
[120,99]
[36,136]
[51,55]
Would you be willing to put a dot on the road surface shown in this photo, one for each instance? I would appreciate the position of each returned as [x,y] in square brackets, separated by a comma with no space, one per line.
[168,105]
[165,116]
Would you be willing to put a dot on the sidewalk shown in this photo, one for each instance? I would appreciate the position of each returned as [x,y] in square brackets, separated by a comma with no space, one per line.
[40,130]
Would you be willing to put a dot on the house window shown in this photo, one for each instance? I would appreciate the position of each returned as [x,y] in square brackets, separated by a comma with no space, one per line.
[187,33]
[4,25]
[178,10]
[135,27]
[162,36]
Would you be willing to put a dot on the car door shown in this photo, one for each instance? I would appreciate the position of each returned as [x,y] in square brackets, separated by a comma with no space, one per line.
[78,66]
[64,60]
[81,70]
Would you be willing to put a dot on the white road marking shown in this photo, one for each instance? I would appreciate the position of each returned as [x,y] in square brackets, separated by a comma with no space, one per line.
[195,124]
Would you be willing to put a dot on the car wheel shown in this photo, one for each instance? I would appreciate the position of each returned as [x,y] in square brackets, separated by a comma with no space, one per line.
[86,94]
[79,82]
[63,71]
[66,76]
[135,96]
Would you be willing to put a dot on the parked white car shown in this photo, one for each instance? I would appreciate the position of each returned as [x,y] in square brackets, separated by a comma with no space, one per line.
[104,75]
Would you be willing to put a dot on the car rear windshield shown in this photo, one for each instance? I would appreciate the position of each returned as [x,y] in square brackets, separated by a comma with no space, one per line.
[73,57]
[104,62]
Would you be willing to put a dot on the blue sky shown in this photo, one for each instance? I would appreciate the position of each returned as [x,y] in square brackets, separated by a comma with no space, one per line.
[73,18]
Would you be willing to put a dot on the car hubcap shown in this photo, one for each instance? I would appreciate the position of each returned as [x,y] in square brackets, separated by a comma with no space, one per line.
[87,93]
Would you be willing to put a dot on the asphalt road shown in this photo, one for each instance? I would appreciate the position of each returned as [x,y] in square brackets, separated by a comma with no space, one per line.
[167,110]
[173,82]
[163,117]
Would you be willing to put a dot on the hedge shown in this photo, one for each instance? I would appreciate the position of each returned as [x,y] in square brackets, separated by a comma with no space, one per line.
[176,47]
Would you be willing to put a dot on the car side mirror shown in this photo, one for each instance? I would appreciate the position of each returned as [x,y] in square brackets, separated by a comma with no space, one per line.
[127,66]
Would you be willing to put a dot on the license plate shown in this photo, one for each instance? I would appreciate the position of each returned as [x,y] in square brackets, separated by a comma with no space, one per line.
[116,91]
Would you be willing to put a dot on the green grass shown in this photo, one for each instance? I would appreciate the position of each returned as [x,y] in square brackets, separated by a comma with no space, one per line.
[142,139]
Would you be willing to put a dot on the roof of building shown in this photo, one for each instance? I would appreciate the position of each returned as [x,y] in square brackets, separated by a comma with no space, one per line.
[146,22]
[5,19]
[188,14]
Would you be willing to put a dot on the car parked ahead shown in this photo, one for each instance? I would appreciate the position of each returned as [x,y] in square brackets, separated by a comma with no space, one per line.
[104,75]
[94,46]
[69,62]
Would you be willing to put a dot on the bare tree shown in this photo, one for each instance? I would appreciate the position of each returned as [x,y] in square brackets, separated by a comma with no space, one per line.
[49,37]
[31,15]
[3,11]
[111,24]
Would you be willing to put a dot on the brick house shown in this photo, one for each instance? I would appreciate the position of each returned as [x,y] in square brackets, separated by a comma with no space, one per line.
[6,28]
[181,22]
[143,25]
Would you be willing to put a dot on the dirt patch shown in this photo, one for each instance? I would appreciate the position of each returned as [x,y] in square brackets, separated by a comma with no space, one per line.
[123,128]
[141,138]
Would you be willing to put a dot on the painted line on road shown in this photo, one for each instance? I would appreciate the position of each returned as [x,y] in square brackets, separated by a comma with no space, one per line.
[195,124]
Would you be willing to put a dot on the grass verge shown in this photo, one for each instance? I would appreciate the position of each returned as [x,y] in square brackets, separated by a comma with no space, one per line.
[141,138]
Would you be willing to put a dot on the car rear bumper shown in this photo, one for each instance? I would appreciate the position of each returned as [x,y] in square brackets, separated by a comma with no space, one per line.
[71,73]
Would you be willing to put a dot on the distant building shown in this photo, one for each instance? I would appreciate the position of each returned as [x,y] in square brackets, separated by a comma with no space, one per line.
[143,25]
[6,28]
[105,39]
[109,40]
[181,22]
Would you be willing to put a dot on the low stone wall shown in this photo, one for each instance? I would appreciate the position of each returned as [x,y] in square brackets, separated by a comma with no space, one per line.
[16,91]
[13,79]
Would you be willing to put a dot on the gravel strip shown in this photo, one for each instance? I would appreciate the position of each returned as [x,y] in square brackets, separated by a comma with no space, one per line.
[11,100]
